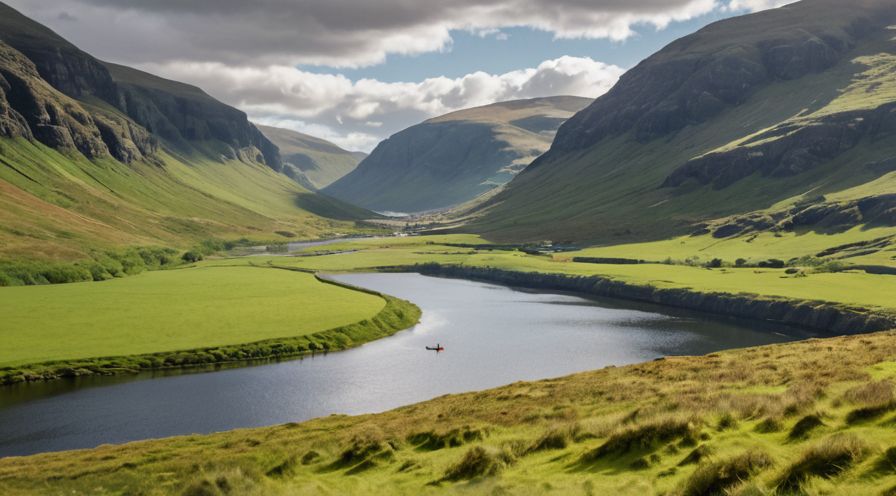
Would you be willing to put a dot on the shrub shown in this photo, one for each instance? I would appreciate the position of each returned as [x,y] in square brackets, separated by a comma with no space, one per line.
[714,263]
[192,256]
[740,262]
[772,263]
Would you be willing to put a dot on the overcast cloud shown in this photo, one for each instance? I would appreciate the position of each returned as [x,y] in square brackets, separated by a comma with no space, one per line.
[246,52]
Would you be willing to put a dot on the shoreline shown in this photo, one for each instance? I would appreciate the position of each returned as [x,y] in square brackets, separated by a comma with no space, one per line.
[395,316]
[828,317]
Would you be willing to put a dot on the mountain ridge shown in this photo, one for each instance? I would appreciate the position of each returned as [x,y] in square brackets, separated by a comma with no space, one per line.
[738,117]
[453,158]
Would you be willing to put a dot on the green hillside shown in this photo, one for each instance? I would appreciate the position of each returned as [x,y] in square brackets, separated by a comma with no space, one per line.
[456,157]
[96,155]
[781,111]
[313,162]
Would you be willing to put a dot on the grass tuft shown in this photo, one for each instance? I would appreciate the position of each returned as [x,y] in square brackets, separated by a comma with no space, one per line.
[803,426]
[479,462]
[643,437]
[826,459]
[717,477]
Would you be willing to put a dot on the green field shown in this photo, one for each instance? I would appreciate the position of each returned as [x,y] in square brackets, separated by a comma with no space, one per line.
[846,287]
[171,310]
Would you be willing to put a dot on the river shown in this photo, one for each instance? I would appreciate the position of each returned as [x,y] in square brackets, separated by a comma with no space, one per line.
[492,335]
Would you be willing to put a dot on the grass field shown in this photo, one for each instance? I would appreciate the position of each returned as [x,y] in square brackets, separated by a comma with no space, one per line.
[171,310]
[847,287]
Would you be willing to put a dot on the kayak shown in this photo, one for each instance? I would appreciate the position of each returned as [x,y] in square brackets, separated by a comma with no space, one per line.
[435,348]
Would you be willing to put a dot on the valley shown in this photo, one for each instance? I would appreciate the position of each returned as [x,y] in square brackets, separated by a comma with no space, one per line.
[683,283]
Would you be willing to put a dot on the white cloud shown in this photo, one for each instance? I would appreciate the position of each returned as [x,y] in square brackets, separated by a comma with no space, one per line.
[338,33]
[756,5]
[357,114]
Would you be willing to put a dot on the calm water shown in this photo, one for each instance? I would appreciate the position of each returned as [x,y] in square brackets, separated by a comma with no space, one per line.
[492,335]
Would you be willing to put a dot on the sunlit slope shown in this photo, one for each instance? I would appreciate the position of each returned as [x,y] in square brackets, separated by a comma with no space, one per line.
[59,206]
[96,155]
[309,160]
[456,157]
[770,109]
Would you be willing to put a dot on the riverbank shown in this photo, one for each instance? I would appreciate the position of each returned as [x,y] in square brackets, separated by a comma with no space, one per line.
[316,307]
[815,315]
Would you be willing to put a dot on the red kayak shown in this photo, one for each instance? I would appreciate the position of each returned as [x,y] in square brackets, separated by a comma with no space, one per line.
[437,347]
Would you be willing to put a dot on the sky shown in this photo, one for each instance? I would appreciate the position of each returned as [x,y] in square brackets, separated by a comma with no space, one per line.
[357,71]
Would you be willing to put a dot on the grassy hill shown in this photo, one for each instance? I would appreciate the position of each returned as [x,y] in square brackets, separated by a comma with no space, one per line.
[313,162]
[96,155]
[456,157]
[766,112]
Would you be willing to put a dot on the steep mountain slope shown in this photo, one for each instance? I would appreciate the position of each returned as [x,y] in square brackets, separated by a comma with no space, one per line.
[97,155]
[313,162]
[764,111]
[455,157]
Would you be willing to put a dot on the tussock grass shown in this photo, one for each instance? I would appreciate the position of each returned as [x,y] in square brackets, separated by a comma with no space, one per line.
[804,426]
[432,440]
[716,478]
[478,462]
[826,459]
[644,437]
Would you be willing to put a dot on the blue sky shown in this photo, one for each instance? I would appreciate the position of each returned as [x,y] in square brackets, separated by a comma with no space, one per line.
[523,47]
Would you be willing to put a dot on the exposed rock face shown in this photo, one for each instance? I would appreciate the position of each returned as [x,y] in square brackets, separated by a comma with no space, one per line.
[179,114]
[698,76]
[817,215]
[788,150]
[30,108]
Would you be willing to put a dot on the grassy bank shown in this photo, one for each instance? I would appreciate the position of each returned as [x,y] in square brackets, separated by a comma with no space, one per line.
[185,317]
[799,281]
[812,417]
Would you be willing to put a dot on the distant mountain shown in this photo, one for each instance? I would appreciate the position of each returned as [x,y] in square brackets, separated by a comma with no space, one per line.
[454,158]
[313,162]
[94,154]
[771,113]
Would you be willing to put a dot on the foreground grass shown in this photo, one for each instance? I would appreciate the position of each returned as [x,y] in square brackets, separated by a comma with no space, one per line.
[812,417]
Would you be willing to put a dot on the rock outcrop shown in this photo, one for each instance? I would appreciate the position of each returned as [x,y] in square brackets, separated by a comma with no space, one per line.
[40,67]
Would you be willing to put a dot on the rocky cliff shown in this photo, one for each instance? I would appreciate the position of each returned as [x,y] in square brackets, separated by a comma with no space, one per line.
[100,108]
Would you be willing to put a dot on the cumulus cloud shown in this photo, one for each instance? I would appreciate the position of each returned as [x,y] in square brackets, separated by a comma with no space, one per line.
[245,52]
[358,114]
[756,5]
[339,33]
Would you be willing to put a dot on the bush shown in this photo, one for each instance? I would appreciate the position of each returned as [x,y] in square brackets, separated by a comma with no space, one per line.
[772,263]
[192,256]
[715,263]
